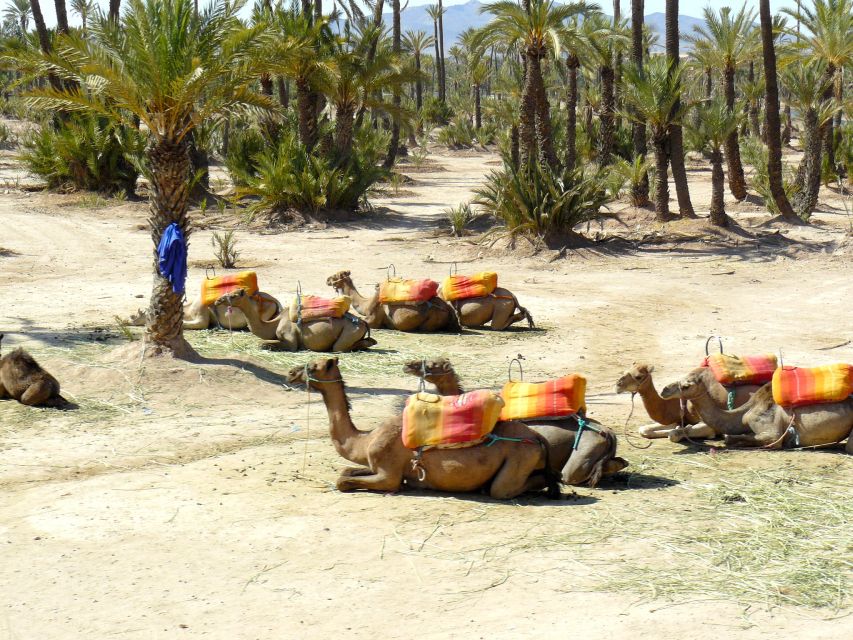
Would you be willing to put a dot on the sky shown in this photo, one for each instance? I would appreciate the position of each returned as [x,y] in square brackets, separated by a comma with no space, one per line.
[687,7]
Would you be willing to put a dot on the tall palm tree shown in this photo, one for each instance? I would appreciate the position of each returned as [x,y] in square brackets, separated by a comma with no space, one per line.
[602,38]
[771,110]
[85,9]
[41,30]
[732,39]
[19,12]
[676,141]
[397,48]
[536,32]
[61,16]
[417,42]
[434,11]
[654,97]
[203,64]
[712,126]
[828,37]
[115,6]
[473,51]
[442,79]
[640,191]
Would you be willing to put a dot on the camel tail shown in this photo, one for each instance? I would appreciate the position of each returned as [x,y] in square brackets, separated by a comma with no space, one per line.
[530,323]
[58,402]
[610,452]
[552,478]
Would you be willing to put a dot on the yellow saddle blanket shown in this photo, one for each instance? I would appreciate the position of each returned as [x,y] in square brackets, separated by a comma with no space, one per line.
[800,386]
[214,288]
[737,370]
[552,399]
[400,290]
[316,308]
[476,286]
[430,420]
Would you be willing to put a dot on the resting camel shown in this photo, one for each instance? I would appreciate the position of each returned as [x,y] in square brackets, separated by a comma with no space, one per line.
[198,317]
[327,334]
[497,309]
[763,423]
[595,454]
[507,469]
[23,379]
[672,412]
[433,315]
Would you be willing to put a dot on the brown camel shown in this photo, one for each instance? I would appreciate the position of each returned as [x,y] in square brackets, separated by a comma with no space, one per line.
[499,310]
[327,334]
[199,317]
[763,423]
[673,412]
[432,315]
[23,379]
[506,469]
[578,459]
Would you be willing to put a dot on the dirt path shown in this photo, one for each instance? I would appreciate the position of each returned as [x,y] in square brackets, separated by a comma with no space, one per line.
[197,500]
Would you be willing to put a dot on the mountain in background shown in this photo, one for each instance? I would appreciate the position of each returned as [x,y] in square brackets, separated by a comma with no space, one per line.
[459,17]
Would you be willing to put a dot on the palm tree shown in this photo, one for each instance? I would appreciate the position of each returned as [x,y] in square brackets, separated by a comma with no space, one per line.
[397,48]
[713,125]
[653,96]
[473,52]
[771,110]
[203,71]
[115,5]
[828,37]
[442,78]
[806,84]
[417,42]
[435,12]
[61,16]
[41,30]
[85,9]
[640,192]
[676,141]
[19,12]
[732,39]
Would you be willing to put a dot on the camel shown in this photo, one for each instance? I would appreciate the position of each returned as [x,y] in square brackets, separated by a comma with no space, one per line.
[499,310]
[432,315]
[578,459]
[327,334]
[763,423]
[675,412]
[199,317]
[23,379]
[506,469]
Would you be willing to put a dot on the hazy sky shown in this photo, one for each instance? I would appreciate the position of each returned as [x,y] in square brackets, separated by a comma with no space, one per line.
[688,7]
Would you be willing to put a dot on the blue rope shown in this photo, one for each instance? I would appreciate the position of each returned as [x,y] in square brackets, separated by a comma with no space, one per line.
[730,401]
[583,424]
[493,439]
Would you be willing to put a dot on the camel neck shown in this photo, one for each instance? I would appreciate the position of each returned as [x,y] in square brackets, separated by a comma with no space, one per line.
[261,328]
[349,442]
[656,407]
[449,385]
[362,305]
[722,421]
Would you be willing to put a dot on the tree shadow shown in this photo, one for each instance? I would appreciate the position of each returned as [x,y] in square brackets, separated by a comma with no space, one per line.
[537,499]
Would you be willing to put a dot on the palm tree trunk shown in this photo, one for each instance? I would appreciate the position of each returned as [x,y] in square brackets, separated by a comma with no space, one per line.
[808,175]
[661,179]
[306,114]
[771,108]
[572,66]
[718,187]
[833,94]
[737,180]
[755,128]
[44,39]
[608,107]
[709,83]
[514,147]
[442,84]
[419,85]
[786,132]
[437,59]
[527,117]
[170,166]
[344,127]
[115,6]
[478,110]
[283,92]
[676,141]
[61,16]
[396,45]
[639,192]
[544,133]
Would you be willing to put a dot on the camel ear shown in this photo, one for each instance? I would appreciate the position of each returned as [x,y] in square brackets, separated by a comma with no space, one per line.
[650,368]
[331,362]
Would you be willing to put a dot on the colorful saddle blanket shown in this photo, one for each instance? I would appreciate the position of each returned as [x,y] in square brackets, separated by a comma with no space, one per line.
[553,399]
[738,370]
[305,308]
[800,386]
[430,420]
[476,286]
[214,288]
[395,290]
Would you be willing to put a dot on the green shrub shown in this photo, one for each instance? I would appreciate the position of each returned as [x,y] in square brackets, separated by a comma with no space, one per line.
[459,217]
[225,249]
[535,199]
[623,173]
[244,144]
[435,111]
[87,153]
[755,153]
[459,134]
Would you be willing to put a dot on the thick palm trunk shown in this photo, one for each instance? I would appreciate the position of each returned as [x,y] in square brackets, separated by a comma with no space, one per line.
[283,92]
[544,133]
[437,60]
[809,172]
[709,83]
[442,86]
[170,166]
[344,127]
[419,85]
[514,146]
[771,107]
[661,179]
[115,6]
[572,66]
[306,113]
[478,108]
[639,192]
[718,188]
[786,132]
[396,45]
[737,180]
[527,117]
[833,94]
[755,128]
[61,16]
[676,141]
[608,108]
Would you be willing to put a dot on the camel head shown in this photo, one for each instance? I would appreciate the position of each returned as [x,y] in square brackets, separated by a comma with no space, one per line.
[689,387]
[316,373]
[634,378]
[339,280]
[232,298]
[429,370]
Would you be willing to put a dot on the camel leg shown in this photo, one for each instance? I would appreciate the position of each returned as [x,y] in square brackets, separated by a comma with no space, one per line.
[502,314]
[514,475]
[3,393]
[350,472]
[699,431]
[277,345]
[848,448]
[764,439]
[199,321]
[349,337]
[379,481]
[655,430]
[36,394]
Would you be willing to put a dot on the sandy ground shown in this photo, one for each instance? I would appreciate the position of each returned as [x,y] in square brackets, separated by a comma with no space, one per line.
[197,500]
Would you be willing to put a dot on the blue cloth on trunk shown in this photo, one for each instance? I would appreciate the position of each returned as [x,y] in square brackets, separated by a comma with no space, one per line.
[173,257]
